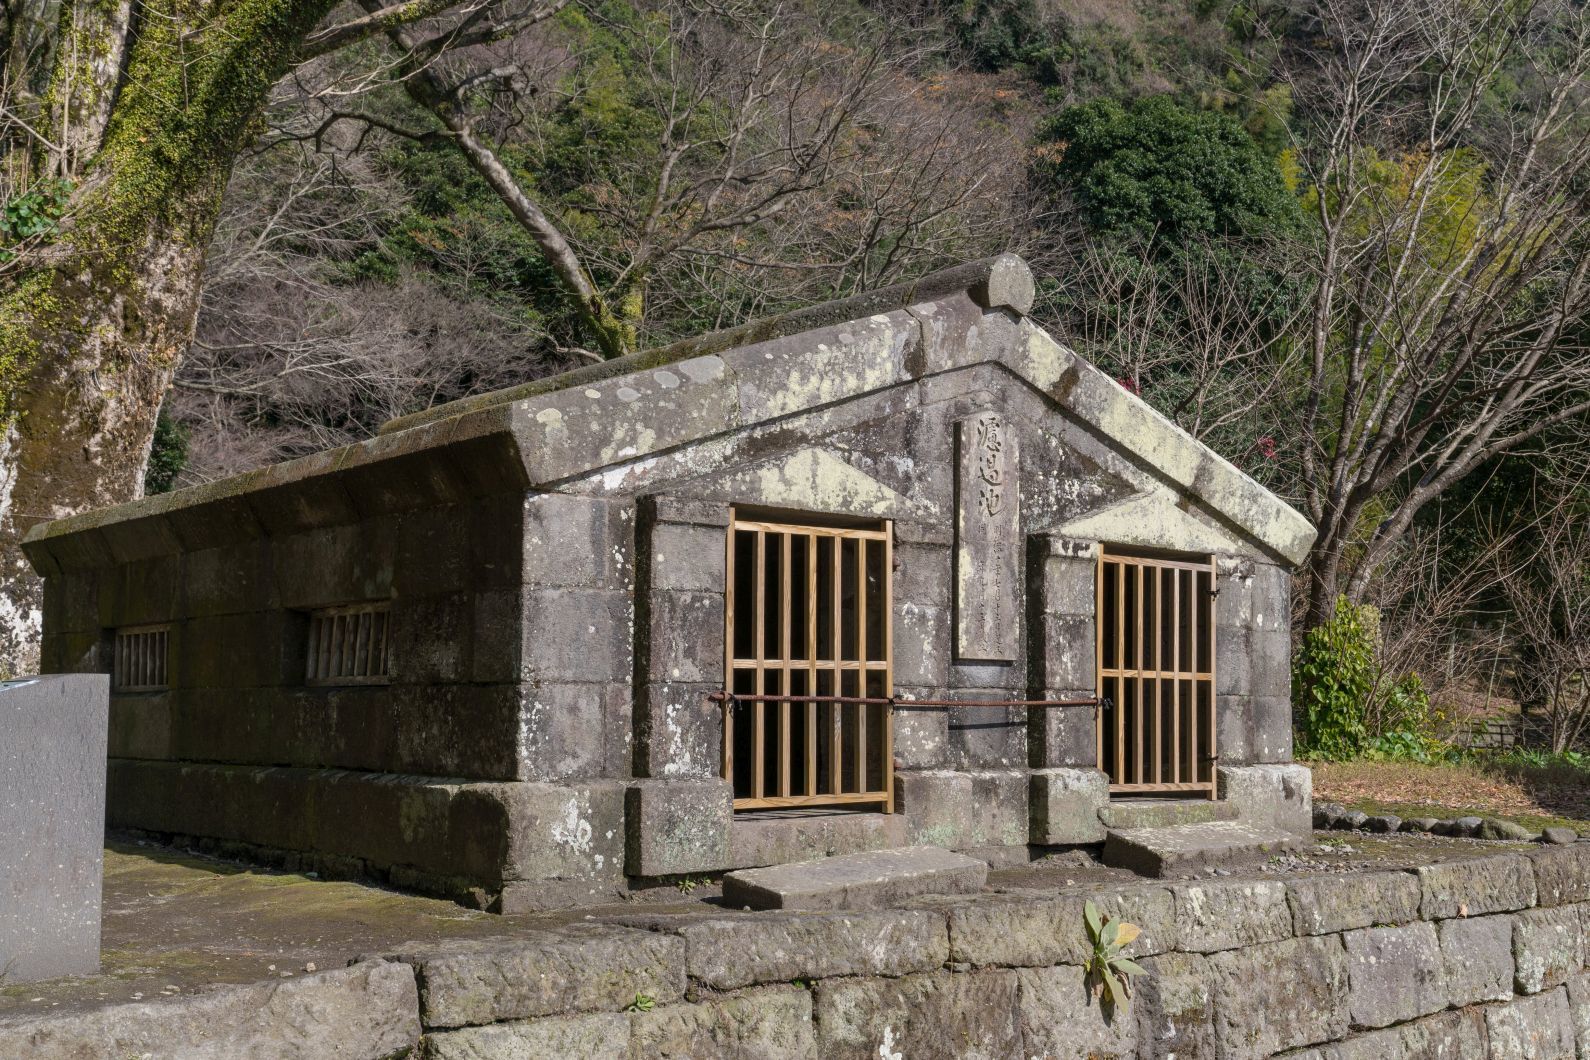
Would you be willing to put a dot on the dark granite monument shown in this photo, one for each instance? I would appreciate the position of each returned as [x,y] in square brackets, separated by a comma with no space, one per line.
[899,569]
[52,825]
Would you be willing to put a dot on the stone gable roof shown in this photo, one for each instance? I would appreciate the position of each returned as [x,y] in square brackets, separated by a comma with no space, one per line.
[540,435]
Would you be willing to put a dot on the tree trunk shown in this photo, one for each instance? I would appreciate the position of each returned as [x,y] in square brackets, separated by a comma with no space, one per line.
[93,326]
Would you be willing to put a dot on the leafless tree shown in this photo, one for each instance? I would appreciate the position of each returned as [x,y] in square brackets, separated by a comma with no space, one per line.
[1452,263]
[779,151]
[1187,333]
[1546,582]
[291,357]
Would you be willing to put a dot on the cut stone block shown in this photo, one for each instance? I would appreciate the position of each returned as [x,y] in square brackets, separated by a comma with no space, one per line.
[1281,796]
[778,838]
[873,880]
[1192,848]
[1164,813]
[52,824]
[1066,804]
[678,826]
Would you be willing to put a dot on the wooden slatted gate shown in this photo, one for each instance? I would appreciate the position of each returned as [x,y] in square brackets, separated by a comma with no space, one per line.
[1156,667]
[809,627]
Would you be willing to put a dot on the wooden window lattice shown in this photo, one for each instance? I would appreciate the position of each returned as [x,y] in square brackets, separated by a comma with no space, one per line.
[349,645]
[140,659]
[1156,667]
[809,619]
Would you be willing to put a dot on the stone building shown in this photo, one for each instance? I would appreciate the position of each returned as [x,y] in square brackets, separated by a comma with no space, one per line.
[504,650]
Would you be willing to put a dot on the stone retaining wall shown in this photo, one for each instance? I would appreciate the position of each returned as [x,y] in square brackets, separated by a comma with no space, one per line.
[1482,957]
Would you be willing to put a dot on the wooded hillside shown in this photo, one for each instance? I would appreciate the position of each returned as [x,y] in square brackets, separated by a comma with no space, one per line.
[1343,240]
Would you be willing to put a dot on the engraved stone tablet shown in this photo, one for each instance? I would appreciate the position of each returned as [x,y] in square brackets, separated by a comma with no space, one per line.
[987,538]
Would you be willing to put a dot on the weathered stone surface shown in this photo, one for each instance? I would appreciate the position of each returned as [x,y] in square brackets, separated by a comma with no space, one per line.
[601,1036]
[937,805]
[1562,874]
[766,1022]
[1279,996]
[1175,1003]
[1000,814]
[364,1012]
[1496,829]
[756,841]
[1325,814]
[1383,824]
[1280,796]
[1548,947]
[1152,909]
[1328,903]
[1532,1028]
[677,826]
[1476,886]
[1445,1036]
[578,970]
[53,732]
[1190,848]
[1018,931]
[944,1016]
[1164,813]
[1226,914]
[1557,835]
[1061,1019]
[1394,974]
[729,953]
[988,547]
[1579,1010]
[1351,821]
[1478,955]
[871,880]
[1065,805]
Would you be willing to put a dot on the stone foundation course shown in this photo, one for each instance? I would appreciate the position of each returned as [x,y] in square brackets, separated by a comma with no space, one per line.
[1479,957]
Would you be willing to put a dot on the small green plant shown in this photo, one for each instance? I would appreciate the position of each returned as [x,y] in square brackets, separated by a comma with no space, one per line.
[1109,975]
[1405,746]
[34,212]
[687,884]
[642,1003]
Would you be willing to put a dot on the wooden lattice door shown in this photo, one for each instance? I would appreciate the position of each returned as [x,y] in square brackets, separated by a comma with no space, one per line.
[808,720]
[1156,672]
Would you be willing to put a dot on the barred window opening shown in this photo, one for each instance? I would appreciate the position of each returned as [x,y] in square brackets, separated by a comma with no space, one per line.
[140,659]
[1156,663]
[349,645]
[810,665]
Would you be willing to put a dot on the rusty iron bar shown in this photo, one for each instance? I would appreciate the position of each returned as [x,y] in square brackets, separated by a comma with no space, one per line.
[730,697]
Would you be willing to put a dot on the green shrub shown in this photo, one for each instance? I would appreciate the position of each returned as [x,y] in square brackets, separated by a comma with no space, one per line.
[1333,677]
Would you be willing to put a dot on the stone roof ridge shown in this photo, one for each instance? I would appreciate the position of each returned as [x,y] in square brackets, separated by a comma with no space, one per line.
[1002,281]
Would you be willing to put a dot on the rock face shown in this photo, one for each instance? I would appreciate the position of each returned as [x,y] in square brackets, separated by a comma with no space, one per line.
[872,880]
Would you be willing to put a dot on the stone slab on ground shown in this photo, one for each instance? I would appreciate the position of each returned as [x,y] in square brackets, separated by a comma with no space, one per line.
[1131,814]
[1192,848]
[871,880]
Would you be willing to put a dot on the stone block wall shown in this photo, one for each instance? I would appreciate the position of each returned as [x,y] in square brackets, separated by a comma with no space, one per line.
[1253,677]
[1481,957]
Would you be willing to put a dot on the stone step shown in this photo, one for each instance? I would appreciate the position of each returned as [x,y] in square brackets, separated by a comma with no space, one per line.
[1188,849]
[876,879]
[1164,813]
